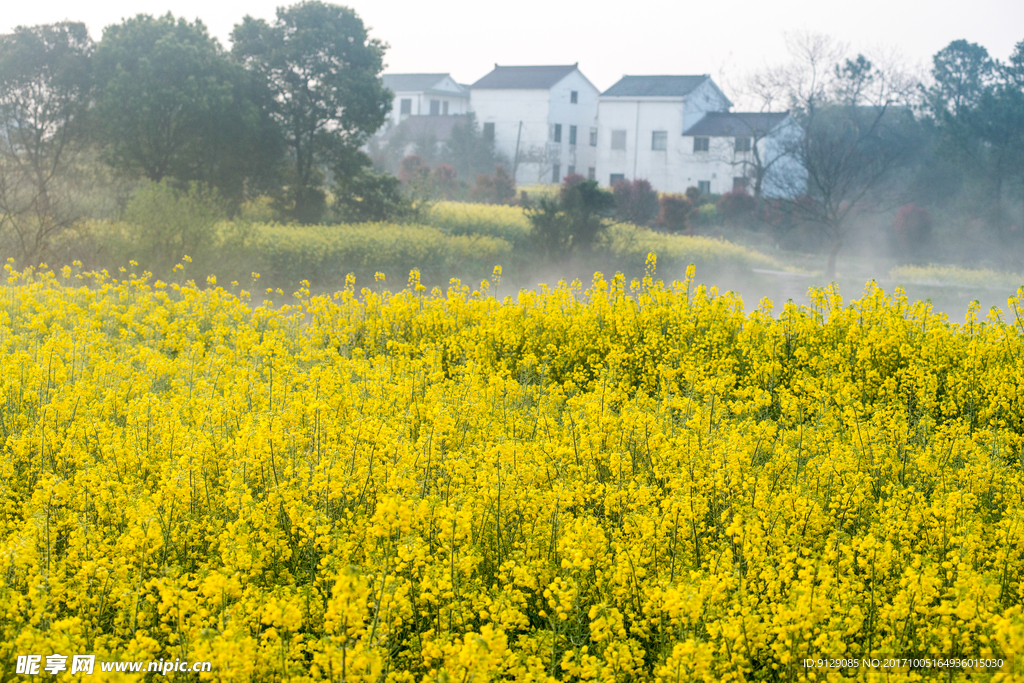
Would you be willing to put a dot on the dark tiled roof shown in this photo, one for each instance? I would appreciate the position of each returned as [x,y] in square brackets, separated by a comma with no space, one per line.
[411,82]
[415,127]
[654,86]
[523,77]
[736,123]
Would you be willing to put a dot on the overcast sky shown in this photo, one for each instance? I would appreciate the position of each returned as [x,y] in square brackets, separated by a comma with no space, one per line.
[608,39]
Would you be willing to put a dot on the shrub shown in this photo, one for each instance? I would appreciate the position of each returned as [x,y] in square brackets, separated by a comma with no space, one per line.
[412,170]
[707,214]
[911,230]
[676,210]
[509,223]
[630,245]
[574,221]
[736,206]
[635,201]
[369,196]
[164,223]
[499,188]
[325,254]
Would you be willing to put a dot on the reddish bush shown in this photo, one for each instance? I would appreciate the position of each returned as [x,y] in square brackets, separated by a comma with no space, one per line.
[570,181]
[911,229]
[676,210]
[736,206]
[635,201]
[444,180]
[499,188]
[412,169]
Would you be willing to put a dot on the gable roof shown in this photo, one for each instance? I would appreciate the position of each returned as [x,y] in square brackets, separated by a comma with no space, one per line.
[722,123]
[524,77]
[655,86]
[413,82]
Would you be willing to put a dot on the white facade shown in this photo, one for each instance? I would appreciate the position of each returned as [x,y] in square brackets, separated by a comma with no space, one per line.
[424,95]
[541,119]
[642,121]
[729,150]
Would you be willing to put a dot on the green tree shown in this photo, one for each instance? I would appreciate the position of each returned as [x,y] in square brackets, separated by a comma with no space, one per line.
[978,104]
[172,104]
[45,81]
[467,151]
[324,70]
[574,221]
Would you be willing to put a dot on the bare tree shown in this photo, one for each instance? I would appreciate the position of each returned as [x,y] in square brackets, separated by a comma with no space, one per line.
[856,133]
[44,86]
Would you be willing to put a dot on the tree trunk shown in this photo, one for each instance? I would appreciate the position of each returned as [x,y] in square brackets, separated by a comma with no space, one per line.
[830,268]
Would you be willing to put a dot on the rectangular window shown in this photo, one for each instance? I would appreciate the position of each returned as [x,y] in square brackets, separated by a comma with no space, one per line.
[659,139]
[556,173]
[616,177]
[445,107]
[593,137]
[557,137]
[435,107]
[489,132]
[740,183]
[591,173]
[742,144]
[571,170]
[573,97]
[572,135]
[618,139]
[700,144]
[406,106]
[704,185]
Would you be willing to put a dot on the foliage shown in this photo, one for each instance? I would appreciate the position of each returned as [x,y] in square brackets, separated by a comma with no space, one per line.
[736,206]
[325,253]
[632,482]
[45,84]
[163,224]
[499,188]
[911,230]
[323,71]
[369,196]
[412,170]
[171,104]
[508,223]
[635,201]
[675,211]
[956,276]
[978,104]
[574,221]
[631,245]
[468,152]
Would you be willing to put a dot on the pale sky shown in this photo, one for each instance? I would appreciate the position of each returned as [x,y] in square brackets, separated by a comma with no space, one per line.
[608,39]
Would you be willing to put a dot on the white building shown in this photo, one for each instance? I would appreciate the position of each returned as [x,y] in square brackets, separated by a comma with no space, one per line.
[542,118]
[726,151]
[643,120]
[424,95]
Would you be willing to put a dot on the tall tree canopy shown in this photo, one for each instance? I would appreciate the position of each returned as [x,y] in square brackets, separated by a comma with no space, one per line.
[978,104]
[44,95]
[171,103]
[324,71]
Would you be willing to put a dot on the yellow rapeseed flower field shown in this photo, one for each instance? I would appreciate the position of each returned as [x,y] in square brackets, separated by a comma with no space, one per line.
[613,482]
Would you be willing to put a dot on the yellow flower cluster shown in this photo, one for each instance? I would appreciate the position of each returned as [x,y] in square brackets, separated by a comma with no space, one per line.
[632,481]
[508,223]
[954,275]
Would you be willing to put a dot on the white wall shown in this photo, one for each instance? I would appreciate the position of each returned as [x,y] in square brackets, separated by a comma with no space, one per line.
[447,90]
[669,170]
[539,111]
[506,109]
